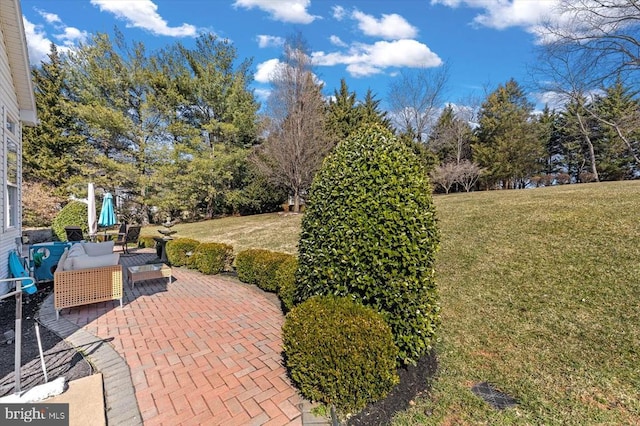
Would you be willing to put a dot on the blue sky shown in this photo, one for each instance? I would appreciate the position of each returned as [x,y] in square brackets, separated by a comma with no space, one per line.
[483,42]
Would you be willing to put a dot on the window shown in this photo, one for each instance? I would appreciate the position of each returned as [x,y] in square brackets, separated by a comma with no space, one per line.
[11,126]
[12,183]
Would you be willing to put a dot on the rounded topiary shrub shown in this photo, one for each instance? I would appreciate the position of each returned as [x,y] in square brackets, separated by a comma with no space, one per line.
[179,251]
[286,278]
[369,233]
[259,267]
[246,264]
[339,352]
[73,214]
[212,258]
[146,241]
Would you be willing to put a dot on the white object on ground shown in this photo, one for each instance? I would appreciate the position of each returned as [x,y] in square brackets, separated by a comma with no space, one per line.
[38,393]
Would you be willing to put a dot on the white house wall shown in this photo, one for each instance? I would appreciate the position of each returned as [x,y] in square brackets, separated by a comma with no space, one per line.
[8,103]
[7,88]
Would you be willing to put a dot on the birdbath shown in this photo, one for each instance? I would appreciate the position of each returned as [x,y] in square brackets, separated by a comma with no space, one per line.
[167,232]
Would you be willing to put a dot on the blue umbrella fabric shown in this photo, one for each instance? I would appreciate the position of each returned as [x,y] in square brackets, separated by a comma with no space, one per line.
[107,214]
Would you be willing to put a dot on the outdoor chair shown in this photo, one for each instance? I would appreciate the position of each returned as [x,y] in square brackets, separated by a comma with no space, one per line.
[123,228]
[74,233]
[131,236]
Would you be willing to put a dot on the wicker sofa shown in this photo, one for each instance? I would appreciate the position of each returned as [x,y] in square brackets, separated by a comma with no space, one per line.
[87,273]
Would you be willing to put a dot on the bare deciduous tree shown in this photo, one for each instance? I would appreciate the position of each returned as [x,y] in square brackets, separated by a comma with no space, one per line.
[570,76]
[464,173]
[297,140]
[605,31]
[468,174]
[445,175]
[451,136]
[415,98]
[589,44]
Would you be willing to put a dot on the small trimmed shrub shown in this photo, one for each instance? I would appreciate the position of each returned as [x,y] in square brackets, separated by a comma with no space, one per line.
[212,258]
[369,233]
[73,214]
[339,352]
[286,278]
[177,251]
[259,267]
[146,241]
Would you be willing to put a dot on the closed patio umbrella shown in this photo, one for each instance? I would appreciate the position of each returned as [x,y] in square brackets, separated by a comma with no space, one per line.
[91,212]
[107,214]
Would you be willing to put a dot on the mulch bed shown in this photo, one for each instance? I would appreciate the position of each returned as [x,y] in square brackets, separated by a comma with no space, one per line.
[60,358]
[414,381]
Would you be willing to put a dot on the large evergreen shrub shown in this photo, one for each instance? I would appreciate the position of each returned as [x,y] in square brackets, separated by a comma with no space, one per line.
[73,214]
[370,233]
[339,352]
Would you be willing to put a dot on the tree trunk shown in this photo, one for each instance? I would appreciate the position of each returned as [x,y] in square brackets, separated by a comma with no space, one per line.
[146,212]
[296,202]
[626,142]
[592,154]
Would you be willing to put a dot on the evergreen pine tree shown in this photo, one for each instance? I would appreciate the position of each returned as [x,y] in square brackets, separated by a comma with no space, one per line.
[50,150]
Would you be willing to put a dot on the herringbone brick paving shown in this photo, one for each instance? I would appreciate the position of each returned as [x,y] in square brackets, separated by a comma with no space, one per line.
[202,350]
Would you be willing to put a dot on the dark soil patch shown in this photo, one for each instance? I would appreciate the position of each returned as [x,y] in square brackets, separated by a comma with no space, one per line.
[414,380]
[60,358]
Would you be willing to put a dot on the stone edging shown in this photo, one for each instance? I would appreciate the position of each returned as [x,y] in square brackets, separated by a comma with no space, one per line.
[121,406]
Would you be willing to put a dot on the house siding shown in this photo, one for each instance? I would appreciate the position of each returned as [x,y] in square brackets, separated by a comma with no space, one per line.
[8,108]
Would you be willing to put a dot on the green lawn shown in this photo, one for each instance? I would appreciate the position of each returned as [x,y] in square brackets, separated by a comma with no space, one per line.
[277,232]
[540,296]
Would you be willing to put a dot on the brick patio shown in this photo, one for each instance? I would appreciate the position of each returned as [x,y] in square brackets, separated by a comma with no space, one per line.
[202,350]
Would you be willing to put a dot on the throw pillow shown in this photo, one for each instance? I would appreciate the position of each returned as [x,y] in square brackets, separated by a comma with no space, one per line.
[76,250]
[84,262]
[98,249]
[62,260]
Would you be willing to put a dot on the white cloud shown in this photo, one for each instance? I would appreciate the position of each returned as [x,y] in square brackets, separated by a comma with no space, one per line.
[37,42]
[294,11]
[519,13]
[262,94]
[51,18]
[390,27]
[265,70]
[554,100]
[336,41]
[268,41]
[448,3]
[339,13]
[361,69]
[143,14]
[527,14]
[71,36]
[68,36]
[367,59]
